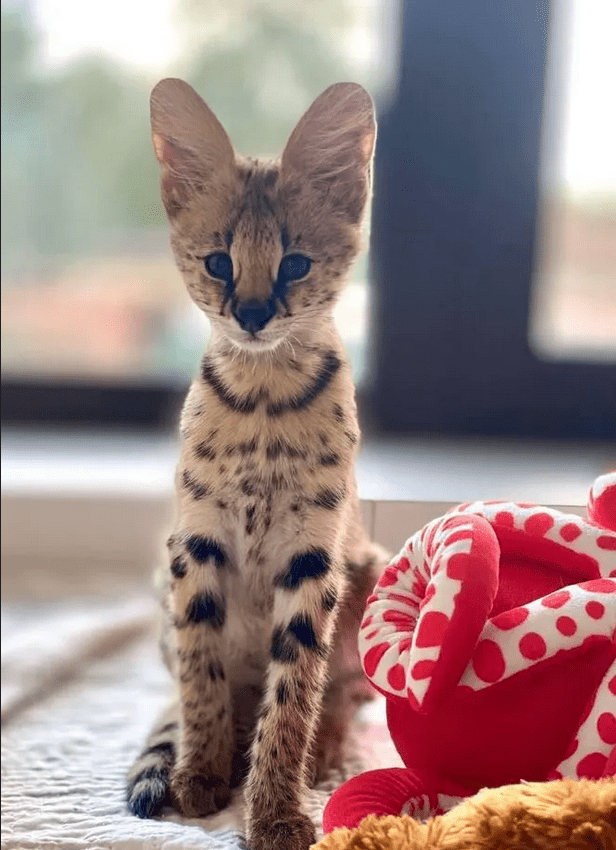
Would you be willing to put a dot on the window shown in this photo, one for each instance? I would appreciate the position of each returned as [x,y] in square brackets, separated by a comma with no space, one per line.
[455,231]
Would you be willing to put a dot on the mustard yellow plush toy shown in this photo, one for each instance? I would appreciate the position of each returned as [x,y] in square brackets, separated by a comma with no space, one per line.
[563,814]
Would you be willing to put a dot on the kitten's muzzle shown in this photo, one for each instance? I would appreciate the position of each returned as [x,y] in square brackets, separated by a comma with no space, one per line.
[252,316]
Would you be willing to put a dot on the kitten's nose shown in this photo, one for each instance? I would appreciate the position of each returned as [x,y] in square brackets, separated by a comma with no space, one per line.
[253,315]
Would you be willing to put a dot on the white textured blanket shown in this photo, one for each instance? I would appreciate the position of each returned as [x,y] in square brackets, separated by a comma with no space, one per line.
[81,688]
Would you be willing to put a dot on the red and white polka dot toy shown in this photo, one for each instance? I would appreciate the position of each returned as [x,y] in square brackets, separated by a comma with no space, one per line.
[493,636]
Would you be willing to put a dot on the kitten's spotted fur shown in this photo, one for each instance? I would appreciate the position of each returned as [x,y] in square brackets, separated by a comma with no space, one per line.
[268,566]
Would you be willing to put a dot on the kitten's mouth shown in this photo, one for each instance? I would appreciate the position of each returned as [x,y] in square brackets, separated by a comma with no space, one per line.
[256,342]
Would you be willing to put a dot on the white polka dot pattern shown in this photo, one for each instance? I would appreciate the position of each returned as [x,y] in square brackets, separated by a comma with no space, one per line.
[596,737]
[420,601]
[523,636]
[417,641]
[568,530]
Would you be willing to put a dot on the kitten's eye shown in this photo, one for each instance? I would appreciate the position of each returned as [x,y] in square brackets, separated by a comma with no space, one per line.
[294,267]
[219,265]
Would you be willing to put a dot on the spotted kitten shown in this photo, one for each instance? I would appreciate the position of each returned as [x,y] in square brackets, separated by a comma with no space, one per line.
[269,566]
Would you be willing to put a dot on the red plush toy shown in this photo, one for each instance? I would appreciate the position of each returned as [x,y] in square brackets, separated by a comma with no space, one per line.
[493,636]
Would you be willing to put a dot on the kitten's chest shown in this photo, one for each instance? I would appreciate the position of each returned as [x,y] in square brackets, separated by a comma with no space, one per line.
[249,595]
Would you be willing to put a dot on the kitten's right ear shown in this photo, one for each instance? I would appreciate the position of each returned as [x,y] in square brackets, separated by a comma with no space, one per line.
[191,145]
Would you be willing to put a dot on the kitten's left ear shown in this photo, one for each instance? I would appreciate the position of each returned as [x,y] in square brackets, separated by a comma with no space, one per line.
[332,147]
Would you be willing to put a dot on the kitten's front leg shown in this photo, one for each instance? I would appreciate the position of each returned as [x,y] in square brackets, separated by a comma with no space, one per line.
[305,608]
[200,778]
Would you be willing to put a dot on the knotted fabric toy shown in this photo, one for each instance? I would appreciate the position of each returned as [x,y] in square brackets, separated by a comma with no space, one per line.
[493,636]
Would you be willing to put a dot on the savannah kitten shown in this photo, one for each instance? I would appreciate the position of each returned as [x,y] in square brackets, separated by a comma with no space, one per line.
[269,567]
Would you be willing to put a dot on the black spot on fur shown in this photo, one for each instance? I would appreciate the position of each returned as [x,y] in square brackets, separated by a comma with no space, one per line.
[274,449]
[206,608]
[168,727]
[249,447]
[203,548]
[329,600]
[194,487]
[284,238]
[295,507]
[222,505]
[270,177]
[284,647]
[166,748]
[330,459]
[282,692]
[250,519]
[205,451]
[229,238]
[306,565]
[239,404]
[299,631]
[338,413]
[302,630]
[216,671]
[278,482]
[328,369]
[248,487]
[352,438]
[281,447]
[178,567]
[327,498]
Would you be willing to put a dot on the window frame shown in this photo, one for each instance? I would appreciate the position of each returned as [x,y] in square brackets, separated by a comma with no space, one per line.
[454,235]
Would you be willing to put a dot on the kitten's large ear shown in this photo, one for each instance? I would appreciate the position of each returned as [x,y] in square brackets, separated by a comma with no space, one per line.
[332,147]
[190,143]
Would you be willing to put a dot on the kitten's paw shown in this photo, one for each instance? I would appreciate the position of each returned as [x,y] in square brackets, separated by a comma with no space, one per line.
[147,793]
[294,832]
[197,794]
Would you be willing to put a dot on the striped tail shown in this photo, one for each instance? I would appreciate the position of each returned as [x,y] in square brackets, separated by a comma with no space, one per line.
[147,790]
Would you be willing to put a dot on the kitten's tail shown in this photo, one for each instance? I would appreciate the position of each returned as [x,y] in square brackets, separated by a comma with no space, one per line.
[147,790]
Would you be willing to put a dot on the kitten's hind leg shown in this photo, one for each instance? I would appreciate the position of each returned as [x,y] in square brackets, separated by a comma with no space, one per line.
[147,790]
[348,687]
